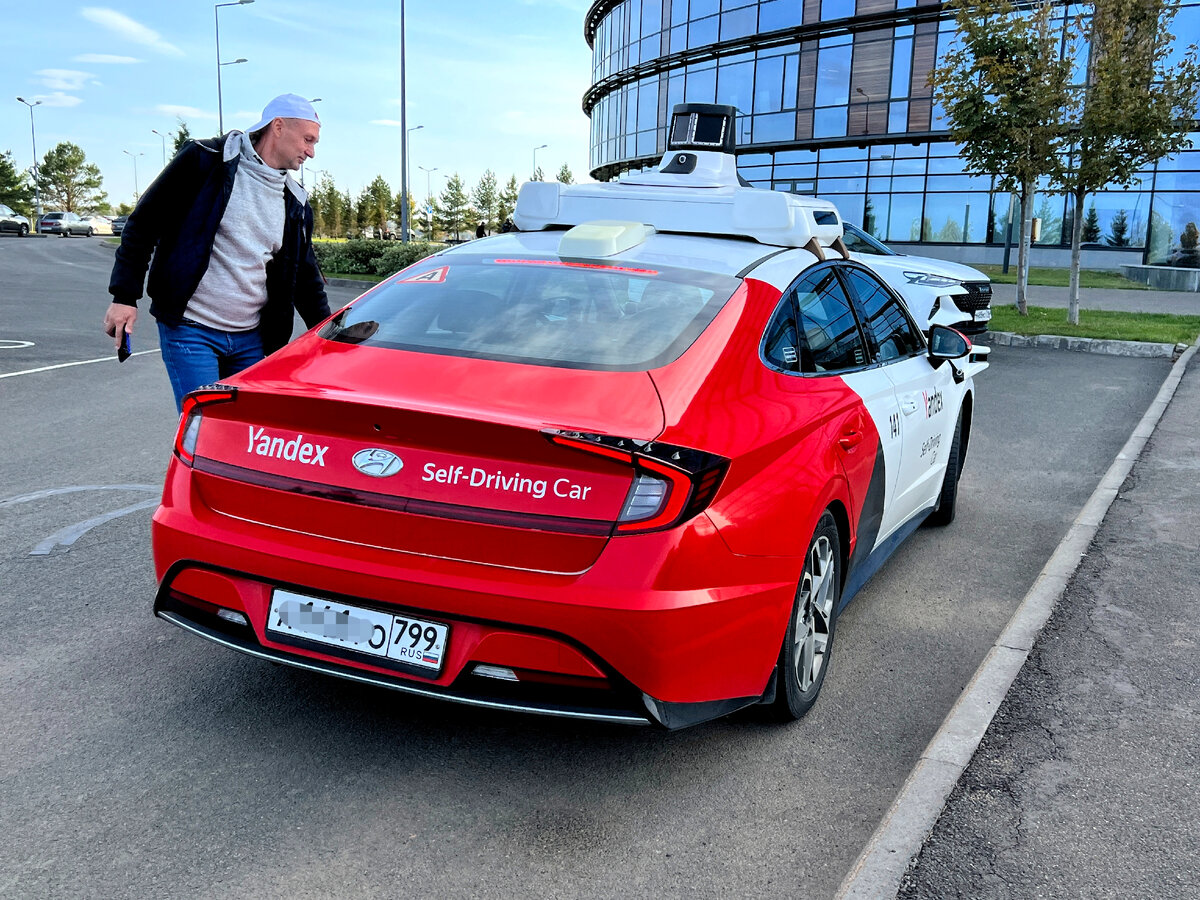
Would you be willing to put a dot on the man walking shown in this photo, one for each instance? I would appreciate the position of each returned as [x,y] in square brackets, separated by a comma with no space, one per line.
[231,239]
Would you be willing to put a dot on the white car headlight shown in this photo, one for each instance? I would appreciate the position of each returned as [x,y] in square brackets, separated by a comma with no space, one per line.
[930,280]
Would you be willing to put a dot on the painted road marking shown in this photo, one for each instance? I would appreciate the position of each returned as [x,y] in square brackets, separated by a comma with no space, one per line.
[82,362]
[62,539]
[15,345]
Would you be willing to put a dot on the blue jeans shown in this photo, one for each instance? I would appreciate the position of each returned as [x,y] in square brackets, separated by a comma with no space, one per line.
[197,355]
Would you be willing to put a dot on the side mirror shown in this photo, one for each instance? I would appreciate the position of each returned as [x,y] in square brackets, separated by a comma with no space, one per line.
[946,343]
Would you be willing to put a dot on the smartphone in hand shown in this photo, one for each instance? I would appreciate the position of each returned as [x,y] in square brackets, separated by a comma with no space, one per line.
[125,348]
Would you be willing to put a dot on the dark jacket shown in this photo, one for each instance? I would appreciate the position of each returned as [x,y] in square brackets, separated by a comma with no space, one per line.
[176,220]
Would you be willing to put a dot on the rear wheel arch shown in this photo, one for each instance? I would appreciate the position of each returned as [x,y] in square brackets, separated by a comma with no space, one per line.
[842,519]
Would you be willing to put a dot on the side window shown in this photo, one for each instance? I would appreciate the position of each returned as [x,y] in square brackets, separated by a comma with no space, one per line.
[889,328]
[814,330]
[780,345]
[830,339]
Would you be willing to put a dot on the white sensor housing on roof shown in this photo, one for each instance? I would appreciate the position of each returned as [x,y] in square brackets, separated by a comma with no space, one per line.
[696,190]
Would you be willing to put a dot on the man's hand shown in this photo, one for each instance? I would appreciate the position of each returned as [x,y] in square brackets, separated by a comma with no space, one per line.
[119,319]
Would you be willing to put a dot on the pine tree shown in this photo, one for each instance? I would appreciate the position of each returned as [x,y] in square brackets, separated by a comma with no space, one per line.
[564,175]
[454,207]
[1091,226]
[487,199]
[68,181]
[15,190]
[182,136]
[508,200]
[538,174]
[1120,230]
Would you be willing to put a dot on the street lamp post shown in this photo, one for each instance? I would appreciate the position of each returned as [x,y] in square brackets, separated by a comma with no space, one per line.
[404,195]
[217,28]
[533,175]
[867,111]
[313,100]
[134,157]
[428,200]
[403,139]
[164,144]
[37,193]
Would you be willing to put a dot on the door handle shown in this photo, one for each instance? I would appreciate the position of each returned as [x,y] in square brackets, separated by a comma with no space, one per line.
[908,407]
[850,439]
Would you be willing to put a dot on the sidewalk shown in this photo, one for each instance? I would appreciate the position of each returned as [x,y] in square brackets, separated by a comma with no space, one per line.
[1087,781]
[1125,300]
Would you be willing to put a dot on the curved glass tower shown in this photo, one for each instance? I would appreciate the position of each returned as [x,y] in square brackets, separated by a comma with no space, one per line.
[834,101]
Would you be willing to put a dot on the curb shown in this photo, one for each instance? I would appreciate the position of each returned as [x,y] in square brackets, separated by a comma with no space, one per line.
[1141,349]
[879,869]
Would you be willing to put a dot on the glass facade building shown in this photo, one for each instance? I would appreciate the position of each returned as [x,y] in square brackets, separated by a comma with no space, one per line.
[833,100]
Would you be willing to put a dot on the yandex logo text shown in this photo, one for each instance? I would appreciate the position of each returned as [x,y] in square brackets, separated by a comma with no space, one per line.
[295,448]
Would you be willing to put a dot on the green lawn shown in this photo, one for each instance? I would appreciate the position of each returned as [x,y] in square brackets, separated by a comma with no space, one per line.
[1159,328]
[1060,278]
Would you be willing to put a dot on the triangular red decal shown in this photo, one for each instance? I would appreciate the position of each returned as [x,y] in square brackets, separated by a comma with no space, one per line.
[433,276]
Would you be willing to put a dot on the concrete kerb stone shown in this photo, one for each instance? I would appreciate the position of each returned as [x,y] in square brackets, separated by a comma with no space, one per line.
[878,871]
[1140,349]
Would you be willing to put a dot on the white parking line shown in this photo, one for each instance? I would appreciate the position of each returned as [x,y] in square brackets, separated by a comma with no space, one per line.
[82,362]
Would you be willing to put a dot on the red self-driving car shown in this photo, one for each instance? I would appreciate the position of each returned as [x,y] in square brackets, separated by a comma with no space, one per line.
[626,464]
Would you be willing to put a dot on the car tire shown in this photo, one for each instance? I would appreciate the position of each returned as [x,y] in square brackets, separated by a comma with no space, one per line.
[23,231]
[943,513]
[90,232]
[62,234]
[808,641]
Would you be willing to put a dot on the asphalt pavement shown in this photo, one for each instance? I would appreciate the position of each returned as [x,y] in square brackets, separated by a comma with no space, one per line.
[1087,782]
[141,762]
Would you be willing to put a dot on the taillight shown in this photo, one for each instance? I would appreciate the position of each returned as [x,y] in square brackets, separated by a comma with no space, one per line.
[189,420]
[671,484]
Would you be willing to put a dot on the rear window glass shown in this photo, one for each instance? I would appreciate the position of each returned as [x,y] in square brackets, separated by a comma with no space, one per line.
[54,215]
[544,311]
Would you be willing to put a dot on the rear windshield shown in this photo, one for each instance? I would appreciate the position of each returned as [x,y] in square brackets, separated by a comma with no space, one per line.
[544,311]
[53,215]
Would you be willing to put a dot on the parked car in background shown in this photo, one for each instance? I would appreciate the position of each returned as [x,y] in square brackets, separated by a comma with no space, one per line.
[100,224]
[13,221]
[64,224]
[118,224]
[937,292]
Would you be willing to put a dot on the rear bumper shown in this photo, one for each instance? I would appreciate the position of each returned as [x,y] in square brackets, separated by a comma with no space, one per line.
[667,628]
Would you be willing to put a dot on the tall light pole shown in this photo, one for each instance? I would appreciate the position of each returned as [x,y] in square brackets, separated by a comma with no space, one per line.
[217,28]
[134,157]
[403,140]
[313,100]
[428,201]
[533,174]
[164,144]
[37,193]
[404,201]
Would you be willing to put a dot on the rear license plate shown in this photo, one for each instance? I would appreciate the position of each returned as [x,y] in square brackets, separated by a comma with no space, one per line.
[983,315]
[402,639]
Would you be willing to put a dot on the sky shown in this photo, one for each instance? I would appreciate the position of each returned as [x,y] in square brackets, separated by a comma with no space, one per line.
[488,80]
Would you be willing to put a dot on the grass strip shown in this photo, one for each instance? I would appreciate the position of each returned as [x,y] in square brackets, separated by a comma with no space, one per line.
[1158,328]
[1088,278]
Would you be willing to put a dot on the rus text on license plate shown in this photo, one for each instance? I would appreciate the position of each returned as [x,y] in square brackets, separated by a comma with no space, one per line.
[402,639]
[983,315]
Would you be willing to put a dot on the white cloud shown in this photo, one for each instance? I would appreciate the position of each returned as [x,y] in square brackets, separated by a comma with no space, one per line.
[64,79]
[58,98]
[391,123]
[185,112]
[123,26]
[104,59]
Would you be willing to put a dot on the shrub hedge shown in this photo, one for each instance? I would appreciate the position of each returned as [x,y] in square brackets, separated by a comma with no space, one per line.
[364,257]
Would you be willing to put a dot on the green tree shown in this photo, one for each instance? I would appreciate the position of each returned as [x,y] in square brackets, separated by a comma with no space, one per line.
[508,200]
[414,217]
[538,174]
[375,204]
[564,175]
[1119,228]
[454,207]
[1091,226]
[1132,110]
[349,216]
[15,190]
[68,181]
[486,198]
[1004,88]
[182,136]
[1188,241]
